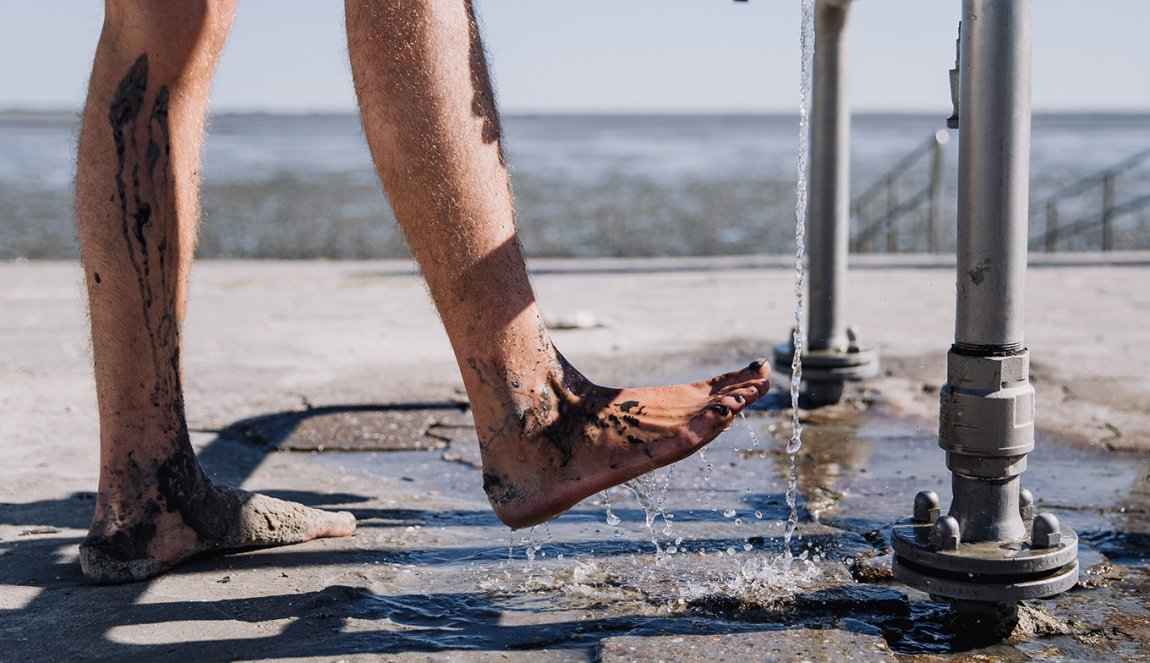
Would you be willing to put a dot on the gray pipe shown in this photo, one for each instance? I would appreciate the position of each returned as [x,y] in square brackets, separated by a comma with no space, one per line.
[987,418]
[829,210]
[994,111]
[990,549]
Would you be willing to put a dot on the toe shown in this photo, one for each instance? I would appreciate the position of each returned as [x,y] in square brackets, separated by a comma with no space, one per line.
[339,523]
[758,370]
[737,399]
[750,391]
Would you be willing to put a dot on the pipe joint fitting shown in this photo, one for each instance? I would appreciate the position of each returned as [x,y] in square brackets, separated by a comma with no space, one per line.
[986,410]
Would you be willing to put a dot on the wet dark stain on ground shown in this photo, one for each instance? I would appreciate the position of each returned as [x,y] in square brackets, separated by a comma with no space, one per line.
[385,427]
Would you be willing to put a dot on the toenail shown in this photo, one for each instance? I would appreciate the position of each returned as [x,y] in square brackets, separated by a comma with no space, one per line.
[721,409]
[738,398]
[757,364]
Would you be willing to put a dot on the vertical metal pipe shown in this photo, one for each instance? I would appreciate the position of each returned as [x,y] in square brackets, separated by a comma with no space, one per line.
[994,112]
[1107,212]
[829,212]
[934,241]
[832,356]
[892,204]
[864,231]
[990,548]
[1051,227]
[987,405]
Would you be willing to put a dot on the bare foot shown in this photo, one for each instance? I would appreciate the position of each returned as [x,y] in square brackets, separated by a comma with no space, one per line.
[547,446]
[180,514]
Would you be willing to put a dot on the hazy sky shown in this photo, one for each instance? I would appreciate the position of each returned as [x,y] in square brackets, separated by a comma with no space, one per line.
[616,55]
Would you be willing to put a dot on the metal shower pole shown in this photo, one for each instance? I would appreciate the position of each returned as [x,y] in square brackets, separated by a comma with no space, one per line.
[990,549]
[832,355]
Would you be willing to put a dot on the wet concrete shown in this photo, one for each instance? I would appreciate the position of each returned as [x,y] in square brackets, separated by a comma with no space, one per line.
[698,549]
[798,645]
[391,427]
[432,575]
[694,565]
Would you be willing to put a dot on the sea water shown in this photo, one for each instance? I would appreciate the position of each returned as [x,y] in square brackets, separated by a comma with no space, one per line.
[301,187]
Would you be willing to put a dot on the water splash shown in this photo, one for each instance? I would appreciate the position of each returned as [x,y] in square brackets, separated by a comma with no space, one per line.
[750,431]
[651,491]
[704,494]
[807,42]
[612,519]
[531,546]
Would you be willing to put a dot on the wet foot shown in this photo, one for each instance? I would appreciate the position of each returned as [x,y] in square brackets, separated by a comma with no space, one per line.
[183,518]
[548,446]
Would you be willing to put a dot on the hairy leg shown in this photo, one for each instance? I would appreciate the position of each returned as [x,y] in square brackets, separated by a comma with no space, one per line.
[136,200]
[548,436]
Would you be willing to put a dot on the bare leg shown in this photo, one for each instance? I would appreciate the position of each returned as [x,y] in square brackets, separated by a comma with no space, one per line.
[548,436]
[136,199]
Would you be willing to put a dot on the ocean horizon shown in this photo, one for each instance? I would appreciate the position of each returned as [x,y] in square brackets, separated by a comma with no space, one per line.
[301,186]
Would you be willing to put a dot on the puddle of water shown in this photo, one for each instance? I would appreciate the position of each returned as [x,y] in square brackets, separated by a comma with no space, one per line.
[670,563]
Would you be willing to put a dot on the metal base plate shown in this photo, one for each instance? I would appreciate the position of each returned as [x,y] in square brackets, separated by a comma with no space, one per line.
[911,541]
[977,588]
[830,365]
[988,571]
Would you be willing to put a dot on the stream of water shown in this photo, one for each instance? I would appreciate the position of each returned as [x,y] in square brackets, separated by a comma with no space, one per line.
[807,41]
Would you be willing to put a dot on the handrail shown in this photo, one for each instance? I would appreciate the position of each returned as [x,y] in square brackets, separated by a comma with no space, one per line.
[864,236]
[1056,230]
[869,228]
[1100,176]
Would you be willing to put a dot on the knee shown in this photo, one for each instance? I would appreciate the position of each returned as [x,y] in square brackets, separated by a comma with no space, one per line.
[159,26]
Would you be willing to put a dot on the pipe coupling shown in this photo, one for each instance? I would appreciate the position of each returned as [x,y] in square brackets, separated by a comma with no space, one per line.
[987,415]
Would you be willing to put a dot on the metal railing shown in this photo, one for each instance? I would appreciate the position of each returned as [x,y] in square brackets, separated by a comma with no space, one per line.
[1057,229]
[875,219]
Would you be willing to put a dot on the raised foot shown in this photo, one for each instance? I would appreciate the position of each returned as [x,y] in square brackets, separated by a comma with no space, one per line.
[575,438]
[218,519]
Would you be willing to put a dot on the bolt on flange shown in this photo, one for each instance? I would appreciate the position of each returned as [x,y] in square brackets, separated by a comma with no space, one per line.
[931,555]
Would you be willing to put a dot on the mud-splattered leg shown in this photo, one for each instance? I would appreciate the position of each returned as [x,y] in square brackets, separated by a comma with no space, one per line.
[136,199]
[549,437]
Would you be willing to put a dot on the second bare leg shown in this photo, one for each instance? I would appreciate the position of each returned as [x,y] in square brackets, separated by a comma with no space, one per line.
[136,200]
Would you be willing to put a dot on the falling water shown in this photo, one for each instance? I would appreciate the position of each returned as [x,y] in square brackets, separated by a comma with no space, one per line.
[807,41]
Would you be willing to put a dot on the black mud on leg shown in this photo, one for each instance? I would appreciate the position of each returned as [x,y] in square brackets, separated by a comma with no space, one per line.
[130,544]
[499,491]
[148,226]
[185,489]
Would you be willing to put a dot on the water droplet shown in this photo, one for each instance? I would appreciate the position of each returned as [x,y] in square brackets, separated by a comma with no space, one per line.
[747,546]
[738,521]
[759,514]
[612,519]
[731,551]
[729,513]
[750,431]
